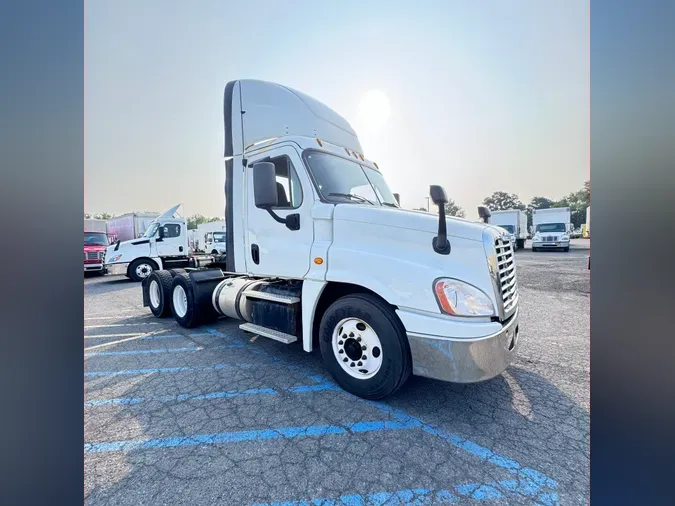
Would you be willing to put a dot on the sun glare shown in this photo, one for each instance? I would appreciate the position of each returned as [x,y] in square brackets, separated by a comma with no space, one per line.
[374,109]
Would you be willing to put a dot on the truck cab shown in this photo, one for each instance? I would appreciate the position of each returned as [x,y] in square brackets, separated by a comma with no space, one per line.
[215,242]
[95,245]
[165,239]
[319,251]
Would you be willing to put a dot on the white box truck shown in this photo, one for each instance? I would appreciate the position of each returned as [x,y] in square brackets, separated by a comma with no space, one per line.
[320,252]
[129,226]
[588,222]
[551,229]
[514,221]
[212,237]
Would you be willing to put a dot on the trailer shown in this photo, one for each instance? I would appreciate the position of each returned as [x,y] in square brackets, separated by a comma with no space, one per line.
[129,226]
[319,252]
[551,229]
[514,221]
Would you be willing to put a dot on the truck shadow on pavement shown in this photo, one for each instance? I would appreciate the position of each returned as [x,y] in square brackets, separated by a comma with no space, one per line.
[243,435]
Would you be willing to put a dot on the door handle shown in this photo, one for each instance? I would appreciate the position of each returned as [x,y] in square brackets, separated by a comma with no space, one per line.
[255,253]
[180,248]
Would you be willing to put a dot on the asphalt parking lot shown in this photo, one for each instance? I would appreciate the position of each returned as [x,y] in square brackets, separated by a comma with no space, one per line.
[208,416]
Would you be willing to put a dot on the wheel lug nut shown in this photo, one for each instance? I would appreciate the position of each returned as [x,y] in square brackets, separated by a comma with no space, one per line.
[351,334]
[360,364]
[344,359]
[364,357]
[352,364]
[363,347]
[341,351]
[341,342]
[358,339]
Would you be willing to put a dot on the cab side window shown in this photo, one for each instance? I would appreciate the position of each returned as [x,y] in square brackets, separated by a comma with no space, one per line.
[289,191]
[171,230]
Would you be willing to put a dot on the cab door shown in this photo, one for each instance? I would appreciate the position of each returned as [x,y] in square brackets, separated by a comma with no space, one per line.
[272,249]
[174,241]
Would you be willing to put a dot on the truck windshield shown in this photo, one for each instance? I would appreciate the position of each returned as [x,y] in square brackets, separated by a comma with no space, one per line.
[151,231]
[509,228]
[551,227]
[95,239]
[219,237]
[341,180]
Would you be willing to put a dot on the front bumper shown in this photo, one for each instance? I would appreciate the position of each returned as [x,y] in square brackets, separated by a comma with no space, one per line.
[464,360]
[95,267]
[550,244]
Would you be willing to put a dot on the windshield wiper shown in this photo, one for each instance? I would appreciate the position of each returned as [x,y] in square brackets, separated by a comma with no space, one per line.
[389,204]
[351,196]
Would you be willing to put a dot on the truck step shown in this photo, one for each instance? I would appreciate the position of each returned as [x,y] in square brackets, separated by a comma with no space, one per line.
[274,297]
[267,332]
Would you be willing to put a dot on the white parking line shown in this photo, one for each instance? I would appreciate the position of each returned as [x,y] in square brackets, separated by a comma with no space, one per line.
[113,335]
[115,317]
[119,325]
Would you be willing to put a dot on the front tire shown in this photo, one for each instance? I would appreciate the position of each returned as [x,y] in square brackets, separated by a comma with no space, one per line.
[159,292]
[534,250]
[566,249]
[359,321]
[141,268]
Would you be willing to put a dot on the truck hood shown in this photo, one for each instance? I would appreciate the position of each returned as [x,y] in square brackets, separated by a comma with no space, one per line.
[90,247]
[127,250]
[410,220]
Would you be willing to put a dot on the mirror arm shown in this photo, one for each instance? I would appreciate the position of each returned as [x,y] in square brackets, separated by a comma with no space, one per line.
[292,221]
[440,243]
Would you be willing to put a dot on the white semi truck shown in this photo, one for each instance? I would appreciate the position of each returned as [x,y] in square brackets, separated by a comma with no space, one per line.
[551,229]
[515,222]
[212,237]
[319,251]
[163,245]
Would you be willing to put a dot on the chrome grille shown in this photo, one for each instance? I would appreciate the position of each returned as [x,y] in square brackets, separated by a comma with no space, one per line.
[506,271]
[94,255]
[549,238]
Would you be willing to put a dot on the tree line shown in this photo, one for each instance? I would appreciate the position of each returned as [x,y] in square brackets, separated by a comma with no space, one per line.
[578,201]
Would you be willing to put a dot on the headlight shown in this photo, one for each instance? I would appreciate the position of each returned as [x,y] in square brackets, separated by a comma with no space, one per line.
[115,258]
[565,238]
[461,299]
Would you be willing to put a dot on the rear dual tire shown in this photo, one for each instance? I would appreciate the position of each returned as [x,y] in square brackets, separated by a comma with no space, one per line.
[187,312]
[365,347]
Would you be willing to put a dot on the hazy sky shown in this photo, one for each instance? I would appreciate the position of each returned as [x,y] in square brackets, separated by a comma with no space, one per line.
[484,96]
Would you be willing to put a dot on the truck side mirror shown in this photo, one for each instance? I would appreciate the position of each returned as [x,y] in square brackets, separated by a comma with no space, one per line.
[438,195]
[265,194]
[265,185]
[440,243]
[160,232]
[484,213]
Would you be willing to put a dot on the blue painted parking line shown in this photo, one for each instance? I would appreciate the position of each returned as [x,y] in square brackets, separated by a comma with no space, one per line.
[235,437]
[134,372]
[127,401]
[163,350]
[423,496]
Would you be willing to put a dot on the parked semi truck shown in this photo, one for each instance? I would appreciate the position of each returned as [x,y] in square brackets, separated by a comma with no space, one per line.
[129,226]
[95,244]
[515,222]
[587,231]
[163,245]
[212,237]
[551,229]
[319,251]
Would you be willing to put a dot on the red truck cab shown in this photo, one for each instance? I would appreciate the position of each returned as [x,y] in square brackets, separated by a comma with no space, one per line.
[95,244]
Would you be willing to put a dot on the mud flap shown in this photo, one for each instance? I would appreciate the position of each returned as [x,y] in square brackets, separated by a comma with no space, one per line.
[146,293]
